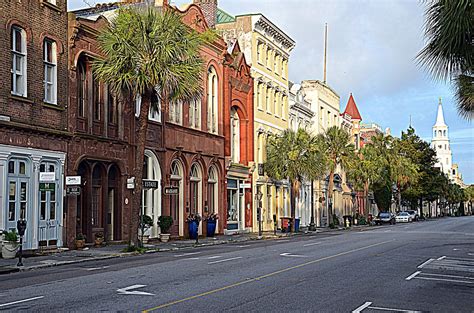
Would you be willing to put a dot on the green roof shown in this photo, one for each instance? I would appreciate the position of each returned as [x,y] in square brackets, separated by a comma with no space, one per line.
[224,17]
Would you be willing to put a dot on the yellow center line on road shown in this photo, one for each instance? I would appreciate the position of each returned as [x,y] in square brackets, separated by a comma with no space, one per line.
[262,277]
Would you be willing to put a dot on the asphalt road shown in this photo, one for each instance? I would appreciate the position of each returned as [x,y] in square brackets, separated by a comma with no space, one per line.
[424,266]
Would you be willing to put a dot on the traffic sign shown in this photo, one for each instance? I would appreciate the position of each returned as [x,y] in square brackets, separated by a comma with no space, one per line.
[73,191]
[171,190]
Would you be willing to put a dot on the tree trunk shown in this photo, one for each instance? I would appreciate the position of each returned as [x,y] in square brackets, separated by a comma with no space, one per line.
[399,196]
[329,199]
[138,170]
[421,207]
[366,195]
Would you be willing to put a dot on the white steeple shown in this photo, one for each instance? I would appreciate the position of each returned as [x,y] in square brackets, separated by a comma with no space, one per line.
[440,143]
[440,117]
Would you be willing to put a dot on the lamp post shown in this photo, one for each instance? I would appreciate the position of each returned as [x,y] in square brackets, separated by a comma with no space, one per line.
[21,227]
[312,225]
[258,198]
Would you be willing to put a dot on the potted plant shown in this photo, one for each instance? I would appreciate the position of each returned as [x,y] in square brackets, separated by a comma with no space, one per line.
[165,222]
[80,241]
[99,238]
[146,222]
[211,220]
[193,221]
[10,245]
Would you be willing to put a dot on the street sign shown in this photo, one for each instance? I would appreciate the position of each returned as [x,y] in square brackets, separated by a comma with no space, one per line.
[73,191]
[73,180]
[150,184]
[171,190]
[47,177]
[245,185]
[47,186]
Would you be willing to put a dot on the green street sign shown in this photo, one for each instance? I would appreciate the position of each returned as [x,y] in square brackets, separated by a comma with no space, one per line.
[47,186]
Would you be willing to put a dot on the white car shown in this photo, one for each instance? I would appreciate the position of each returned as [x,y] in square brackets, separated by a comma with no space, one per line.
[403,217]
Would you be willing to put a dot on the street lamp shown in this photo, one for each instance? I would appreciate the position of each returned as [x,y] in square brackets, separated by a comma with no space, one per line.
[258,198]
[312,225]
[21,226]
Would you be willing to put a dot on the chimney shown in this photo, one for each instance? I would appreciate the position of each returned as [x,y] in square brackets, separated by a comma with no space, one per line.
[209,8]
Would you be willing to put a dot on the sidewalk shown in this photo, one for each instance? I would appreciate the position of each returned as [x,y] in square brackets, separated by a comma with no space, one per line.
[65,256]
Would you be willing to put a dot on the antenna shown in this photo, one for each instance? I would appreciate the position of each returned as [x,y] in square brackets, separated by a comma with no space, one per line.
[410,120]
[325,51]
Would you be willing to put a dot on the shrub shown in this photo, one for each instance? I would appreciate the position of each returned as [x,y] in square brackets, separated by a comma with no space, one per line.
[362,220]
[11,236]
[165,223]
[145,222]
[80,236]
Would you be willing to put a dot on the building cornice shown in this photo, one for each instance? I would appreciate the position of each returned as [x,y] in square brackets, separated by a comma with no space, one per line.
[269,28]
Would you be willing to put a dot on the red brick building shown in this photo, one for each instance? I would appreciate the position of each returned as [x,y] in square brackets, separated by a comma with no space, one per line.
[33,118]
[238,132]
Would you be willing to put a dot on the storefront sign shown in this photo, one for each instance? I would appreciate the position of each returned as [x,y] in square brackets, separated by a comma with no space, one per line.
[150,184]
[73,191]
[171,190]
[73,180]
[47,186]
[245,185]
[47,177]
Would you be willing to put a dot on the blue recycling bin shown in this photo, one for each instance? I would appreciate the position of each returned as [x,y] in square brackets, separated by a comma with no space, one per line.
[193,229]
[211,228]
[297,225]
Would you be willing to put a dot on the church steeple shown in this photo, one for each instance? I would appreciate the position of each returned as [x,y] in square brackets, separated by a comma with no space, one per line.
[440,117]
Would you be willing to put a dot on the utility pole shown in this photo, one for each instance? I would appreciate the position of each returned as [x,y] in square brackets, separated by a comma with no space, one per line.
[325,51]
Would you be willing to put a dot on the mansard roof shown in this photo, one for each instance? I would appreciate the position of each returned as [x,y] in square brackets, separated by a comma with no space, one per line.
[351,109]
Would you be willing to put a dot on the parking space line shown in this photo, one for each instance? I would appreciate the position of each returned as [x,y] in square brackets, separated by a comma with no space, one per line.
[412,275]
[443,275]
[425,263]
[393,310]
[448,280]
[362,307]
[225,260]
[312,244]
[20,301]
[441,257]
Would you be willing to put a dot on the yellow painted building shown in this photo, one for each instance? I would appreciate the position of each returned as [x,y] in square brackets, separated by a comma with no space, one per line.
[267,48]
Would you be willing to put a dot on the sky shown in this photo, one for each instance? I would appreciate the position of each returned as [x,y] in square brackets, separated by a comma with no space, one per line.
[372,45]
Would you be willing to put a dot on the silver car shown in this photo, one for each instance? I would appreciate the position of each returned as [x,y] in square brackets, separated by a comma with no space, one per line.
[403,217]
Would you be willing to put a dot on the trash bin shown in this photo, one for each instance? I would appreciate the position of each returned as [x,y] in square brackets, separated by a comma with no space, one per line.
[297,225]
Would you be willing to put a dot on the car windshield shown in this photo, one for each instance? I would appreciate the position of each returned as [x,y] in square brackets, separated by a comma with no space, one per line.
[411,212]
[403,214]
[384,215]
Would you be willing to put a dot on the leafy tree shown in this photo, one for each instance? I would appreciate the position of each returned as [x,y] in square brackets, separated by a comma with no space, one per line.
[294,156]
[402,170]
[339,150]
[449,53]
[149,52]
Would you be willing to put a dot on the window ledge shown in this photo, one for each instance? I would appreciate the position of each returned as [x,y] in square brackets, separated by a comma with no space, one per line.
[53,106]
[260,109]
[21,98]
[268,112]
[51,6]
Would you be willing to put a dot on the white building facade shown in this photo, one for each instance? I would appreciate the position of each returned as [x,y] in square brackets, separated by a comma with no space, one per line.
[440,143]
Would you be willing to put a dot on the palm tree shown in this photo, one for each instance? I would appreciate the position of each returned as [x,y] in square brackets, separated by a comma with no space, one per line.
[149,52]
[339,151]
[449,53]
[294,156]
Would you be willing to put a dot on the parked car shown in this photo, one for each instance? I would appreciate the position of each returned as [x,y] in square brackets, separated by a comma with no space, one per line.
[414,215]
[384,218]
[403,217]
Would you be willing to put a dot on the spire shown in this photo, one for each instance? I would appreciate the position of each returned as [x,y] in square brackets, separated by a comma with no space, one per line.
[351,109]
[440,116]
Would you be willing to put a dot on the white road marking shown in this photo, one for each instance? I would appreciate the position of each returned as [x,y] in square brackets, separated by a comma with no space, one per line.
[455,249]
[451,276]
[412,275]
[362,307]
[97,268]
[244,246]
[225,260]
[186,254]
[449,280]
[312,244]
[425,263]
[20,301]
[292,255]
[214,257]
[470,254]
[393,310]
[125,291]
[441,257]
[282,240]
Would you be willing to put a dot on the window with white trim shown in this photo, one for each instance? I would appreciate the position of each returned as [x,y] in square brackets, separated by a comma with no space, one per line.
[195,114]
[176,112]
[153,114]
[235,136]
[267,99]
[18,70]
[50,71]
[212,100]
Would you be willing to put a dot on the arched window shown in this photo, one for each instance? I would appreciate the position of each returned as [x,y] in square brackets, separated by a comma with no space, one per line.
[176,201]
[195,114]
[440,133]
[444,133]
[176,112]
[212,192]
[212,100]
[81,88]
[235,136]
[195,188]
[19,82]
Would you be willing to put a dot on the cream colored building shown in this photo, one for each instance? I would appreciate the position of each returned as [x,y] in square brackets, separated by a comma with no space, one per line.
[267,48]
[325,103]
